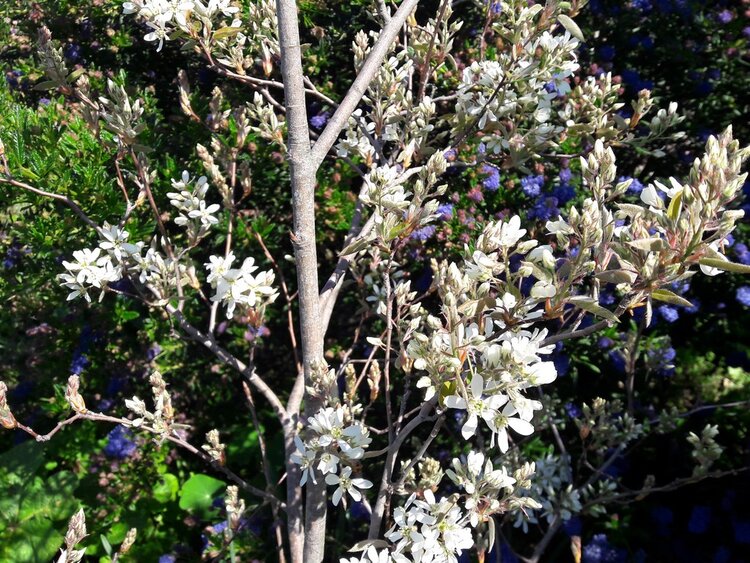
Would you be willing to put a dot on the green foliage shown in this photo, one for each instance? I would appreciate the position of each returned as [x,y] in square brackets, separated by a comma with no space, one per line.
[35,505]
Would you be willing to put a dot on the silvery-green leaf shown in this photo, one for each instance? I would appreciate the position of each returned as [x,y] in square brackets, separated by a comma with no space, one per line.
[725,265]
[670,297]
[571,27]
[588,304]
[650,244]
[617,276]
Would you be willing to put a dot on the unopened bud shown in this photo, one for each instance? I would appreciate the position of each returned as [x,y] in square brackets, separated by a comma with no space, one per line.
[214,447]
[74,398]
[76,529]
[128,541]
[7,420]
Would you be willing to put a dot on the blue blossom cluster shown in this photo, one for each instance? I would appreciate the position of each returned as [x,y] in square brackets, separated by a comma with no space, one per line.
[532,185]
[120,444]
[80,361]
[14,254]
[599,550]
[319,121]
[492,180]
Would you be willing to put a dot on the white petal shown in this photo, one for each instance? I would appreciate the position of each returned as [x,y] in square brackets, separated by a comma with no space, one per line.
[470,427]
[521,426]
[477,386]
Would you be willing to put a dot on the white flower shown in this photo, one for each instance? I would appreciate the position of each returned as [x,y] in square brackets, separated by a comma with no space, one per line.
[205,214]
[505,234]
[159,34]
[714,253]
[89,270]
[500,423]
[304,458]
[347,485]
[328,423]
[476,406]
[114,241]
[237,286]
[328,463]
[543,290]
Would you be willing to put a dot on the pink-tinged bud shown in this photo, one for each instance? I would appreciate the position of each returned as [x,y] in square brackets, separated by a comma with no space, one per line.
[72,395]
[7,420]
[76,529]
[267,62]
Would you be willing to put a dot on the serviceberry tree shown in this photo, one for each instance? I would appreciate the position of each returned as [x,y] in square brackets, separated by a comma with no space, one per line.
[481,345]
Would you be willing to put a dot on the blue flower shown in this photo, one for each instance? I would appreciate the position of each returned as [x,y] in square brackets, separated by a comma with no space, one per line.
[495,7]
[700,518]
[532,185]
[598,550]
[642,5]
[660,359]
[618,360]
[72,52]
[742,253]
[680,287]
[167,559]
[14,254]
[359,511]
[120,445]
[423,234]
[607,53]
[668,313]
[79,363]
[153,351]
[743,295]
[572,410]
[562,364]
[564,193]
[725,16]
[492,181]
[319,121]
[635,187]
[544,209]
[445,211]
[605,342]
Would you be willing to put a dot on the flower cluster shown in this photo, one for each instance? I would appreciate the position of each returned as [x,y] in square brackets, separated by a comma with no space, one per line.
[238,286]
[333,444]
[195,214]
[166,16]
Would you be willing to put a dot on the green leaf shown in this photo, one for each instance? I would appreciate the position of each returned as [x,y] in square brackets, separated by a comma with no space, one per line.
[166,489]
[670,297]
[105,543]
[617,276]
[725,265]
[649,244]
[571,27]
[588,304]
[673,211]
[198,492]
[226,32]
[46,85]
